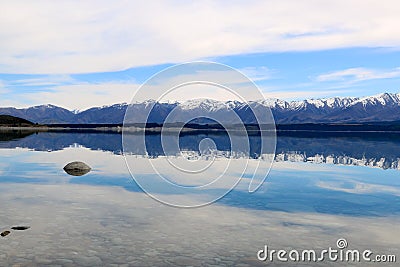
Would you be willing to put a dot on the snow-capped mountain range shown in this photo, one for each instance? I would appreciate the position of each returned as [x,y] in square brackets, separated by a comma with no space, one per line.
[377,108]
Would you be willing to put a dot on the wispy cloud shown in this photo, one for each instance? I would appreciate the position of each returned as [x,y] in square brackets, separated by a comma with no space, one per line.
[358,187]
[47,80]
[3,91]
[358,74]
[304,94]
[84,95]
[100,36]
[258,73]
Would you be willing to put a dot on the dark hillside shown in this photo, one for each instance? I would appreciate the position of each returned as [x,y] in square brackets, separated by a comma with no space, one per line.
[11,121]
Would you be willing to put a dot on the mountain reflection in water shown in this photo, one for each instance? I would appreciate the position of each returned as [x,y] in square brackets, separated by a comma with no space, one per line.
[359,149]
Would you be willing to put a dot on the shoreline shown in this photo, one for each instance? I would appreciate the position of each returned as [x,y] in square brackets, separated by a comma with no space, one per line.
[306,128]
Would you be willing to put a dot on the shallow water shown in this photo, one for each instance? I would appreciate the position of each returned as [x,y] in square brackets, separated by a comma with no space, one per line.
[320,189]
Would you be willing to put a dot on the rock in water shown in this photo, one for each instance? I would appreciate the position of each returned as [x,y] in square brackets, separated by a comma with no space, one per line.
[77,168]
[20,228]
[5,233]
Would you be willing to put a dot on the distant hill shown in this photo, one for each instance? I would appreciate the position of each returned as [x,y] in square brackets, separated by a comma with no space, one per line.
[41,114]
[379,108]
[11,121]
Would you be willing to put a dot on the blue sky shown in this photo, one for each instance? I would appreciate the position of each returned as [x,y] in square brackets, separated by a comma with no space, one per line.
[94,53]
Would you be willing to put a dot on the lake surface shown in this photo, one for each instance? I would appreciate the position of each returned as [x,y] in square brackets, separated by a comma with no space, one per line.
[321,187]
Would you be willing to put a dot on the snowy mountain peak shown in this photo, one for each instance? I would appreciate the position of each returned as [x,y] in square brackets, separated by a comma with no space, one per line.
[274,103]
[340,102]
[381,99]
[208,104]
[45,106]
[120,105]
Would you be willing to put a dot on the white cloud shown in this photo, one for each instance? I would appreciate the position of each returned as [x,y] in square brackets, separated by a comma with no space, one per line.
[3,89]
[81,96]
[64,91]
[307,90]
[358,187]
[95,36]
[48,80]
[193,81]
[358,74]
[257,73]
[4,92]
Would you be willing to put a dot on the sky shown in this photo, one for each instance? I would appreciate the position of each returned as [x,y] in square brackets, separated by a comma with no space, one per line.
[80,54]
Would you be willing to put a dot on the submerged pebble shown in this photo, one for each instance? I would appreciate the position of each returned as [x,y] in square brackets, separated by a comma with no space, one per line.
[5,233]
[20,228]
[77,168]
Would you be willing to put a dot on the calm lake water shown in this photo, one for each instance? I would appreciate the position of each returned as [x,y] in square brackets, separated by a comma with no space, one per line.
[321,187]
